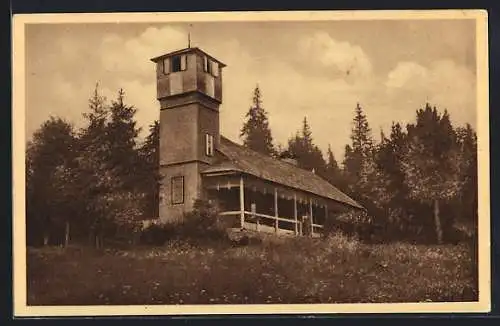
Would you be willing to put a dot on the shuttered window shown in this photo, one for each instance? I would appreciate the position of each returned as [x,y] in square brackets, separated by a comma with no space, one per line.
[210,66]
[166,66]
[215,69]
[179,63]
[183,62]
[207,64]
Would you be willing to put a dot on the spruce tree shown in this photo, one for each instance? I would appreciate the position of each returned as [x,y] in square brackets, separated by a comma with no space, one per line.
[151,178]
[97,178]
[360,151]
[125,200]
[122,133]
[331,163]
[307,154]
[333,172]
[389,159]
[256,133]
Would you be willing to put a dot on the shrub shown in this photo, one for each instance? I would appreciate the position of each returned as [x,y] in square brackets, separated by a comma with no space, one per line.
[248,240]
[157,235]
[352,223]
[202,220]
[202,224]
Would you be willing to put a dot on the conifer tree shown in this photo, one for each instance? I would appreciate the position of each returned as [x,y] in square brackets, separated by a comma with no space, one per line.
[307,154]
[121,132]
[389,159]
[360,151]
[331,163]
[333,172]
[150,163]
[97,178]
[256,133]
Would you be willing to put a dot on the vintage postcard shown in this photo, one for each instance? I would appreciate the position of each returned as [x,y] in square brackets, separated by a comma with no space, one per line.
[251,163]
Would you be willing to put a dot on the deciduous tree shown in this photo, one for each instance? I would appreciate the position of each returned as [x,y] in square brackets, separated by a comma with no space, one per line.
[431,162]
[51,148]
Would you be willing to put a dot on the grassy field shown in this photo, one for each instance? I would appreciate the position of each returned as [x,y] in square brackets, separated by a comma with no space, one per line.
[335,270]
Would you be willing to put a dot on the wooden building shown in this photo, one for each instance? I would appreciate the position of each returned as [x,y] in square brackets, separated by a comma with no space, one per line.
[253,191]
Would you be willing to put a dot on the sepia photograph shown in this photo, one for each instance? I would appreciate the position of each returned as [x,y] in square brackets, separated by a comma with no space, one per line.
[272,162]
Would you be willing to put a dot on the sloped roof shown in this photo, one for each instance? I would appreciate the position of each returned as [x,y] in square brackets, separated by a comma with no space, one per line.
[245,160]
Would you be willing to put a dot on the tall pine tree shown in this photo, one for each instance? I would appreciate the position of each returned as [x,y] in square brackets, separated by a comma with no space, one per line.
[389,159]
[332,170]
[121,132]
[307,154]
[256,133]
[97,178]
[360,151]
[149,171]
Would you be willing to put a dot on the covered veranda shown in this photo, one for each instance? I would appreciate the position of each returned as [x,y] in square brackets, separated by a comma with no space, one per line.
[252,203]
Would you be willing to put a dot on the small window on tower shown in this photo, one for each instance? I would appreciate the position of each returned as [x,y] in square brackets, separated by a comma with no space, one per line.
[179,63]
[183,62]
[209,145]
[215,69]
[166,66]
[207,64]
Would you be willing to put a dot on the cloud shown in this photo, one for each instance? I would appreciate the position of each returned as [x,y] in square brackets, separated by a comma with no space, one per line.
[310,74]
[130,57]
[125,63]
[404,73]
[289,93]
[335,58]
[56,96]
[322,79]
[444,83]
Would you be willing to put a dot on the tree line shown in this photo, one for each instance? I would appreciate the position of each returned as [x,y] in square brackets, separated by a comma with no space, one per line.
[93,183]
[418,183]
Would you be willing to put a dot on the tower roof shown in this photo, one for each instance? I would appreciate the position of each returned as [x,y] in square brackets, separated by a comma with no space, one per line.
[187,50]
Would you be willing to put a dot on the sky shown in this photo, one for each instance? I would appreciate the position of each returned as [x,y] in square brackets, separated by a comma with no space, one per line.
[318,70]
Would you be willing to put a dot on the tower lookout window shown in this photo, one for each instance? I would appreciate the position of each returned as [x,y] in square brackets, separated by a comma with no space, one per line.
[179,63]
[206,65]
[210,66]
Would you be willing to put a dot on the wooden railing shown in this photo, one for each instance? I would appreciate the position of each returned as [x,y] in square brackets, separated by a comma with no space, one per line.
[230,213]
[252,220]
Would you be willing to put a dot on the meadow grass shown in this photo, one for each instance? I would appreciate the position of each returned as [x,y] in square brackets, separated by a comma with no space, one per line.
[333,270]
